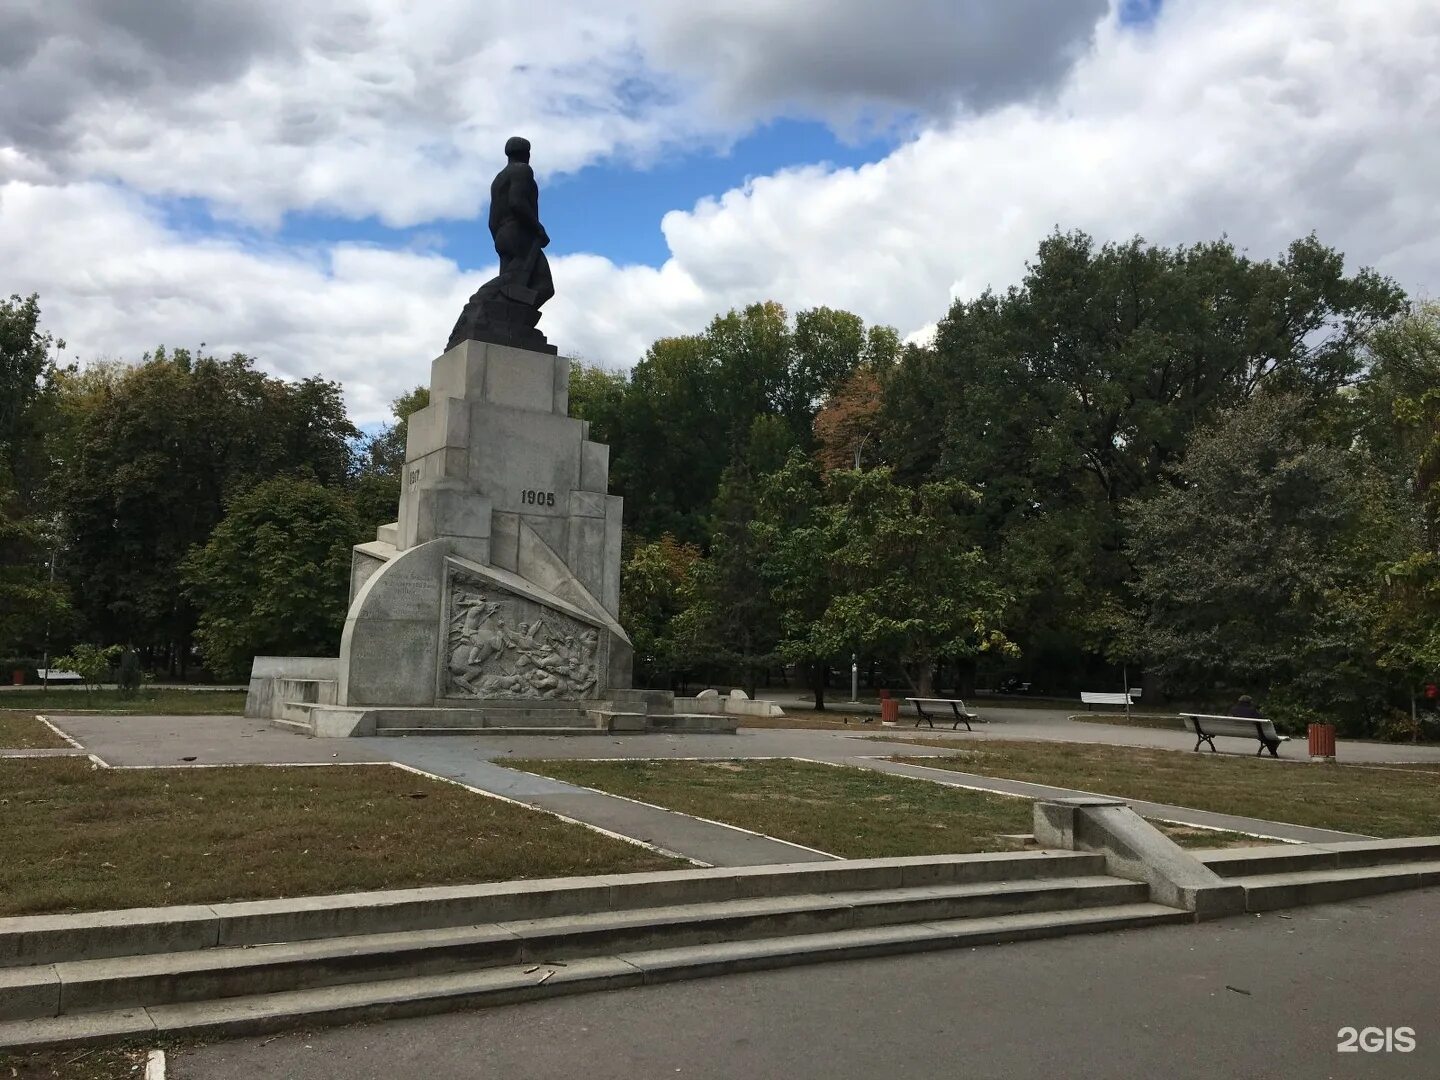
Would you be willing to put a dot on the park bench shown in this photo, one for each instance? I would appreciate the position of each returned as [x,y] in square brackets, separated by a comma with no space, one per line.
[1092,697]
[56,675]
[962,715]
[1206,727]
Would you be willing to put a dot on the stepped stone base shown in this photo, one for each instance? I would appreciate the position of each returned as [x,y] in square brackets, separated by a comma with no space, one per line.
[517,718]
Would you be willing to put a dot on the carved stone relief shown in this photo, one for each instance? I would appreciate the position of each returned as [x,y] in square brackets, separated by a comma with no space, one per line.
[500,645]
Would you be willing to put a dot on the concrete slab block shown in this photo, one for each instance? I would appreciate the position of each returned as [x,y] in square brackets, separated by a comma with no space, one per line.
[587,504]
[389,911]
[28,992]
[610,590]
[594,467]
[47,939]
[519,379]
[82,1030]
[1136,850]
[560,405]
[444,422]
[1379,852]
[459,372]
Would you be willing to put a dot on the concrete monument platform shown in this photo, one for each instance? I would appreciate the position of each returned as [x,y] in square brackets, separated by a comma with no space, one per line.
[491,604]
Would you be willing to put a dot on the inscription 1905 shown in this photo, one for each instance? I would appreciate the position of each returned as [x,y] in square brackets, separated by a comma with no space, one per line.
[537,498]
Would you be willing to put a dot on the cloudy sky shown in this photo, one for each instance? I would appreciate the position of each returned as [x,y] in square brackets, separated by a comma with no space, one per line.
[306,182]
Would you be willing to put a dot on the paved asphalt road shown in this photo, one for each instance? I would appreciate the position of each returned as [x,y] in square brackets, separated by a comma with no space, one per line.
[1252,997]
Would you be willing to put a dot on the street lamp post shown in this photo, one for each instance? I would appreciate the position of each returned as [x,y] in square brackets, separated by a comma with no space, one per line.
[854,678]
[45,660]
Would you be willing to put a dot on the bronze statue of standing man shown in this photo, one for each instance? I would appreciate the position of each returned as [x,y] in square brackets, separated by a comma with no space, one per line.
[506,308]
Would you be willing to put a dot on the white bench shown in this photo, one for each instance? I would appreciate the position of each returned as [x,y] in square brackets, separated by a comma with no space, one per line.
[1092,697]
[1207,726]
[56,675]
[962,715]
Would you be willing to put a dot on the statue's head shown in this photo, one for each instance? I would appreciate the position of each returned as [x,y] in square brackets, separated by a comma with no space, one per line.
[517,149]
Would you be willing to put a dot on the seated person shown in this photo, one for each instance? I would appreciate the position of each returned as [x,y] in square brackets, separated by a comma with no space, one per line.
[1246,707]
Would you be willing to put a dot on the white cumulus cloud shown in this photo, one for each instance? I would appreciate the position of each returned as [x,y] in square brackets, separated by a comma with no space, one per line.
[1262,122]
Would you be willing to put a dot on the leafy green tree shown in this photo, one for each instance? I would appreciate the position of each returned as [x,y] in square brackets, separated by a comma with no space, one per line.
[92,663]
[1258,569]
[729,621]
[746,389]
[129,677]
[598,395]
[147,462]
[376,485]
[272,579]
[1398,407]
[27,387]
[1078,390]
[797,536]
[33,605]
[654,587]
[910,585]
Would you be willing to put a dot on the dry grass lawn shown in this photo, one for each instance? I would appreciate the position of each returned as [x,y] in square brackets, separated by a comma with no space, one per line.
[77,838]
[21,731]
[1375,802]
[854,813]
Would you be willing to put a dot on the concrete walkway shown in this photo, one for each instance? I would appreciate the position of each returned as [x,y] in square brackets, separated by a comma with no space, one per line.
[1055,725]
[709,842]
[1253,996]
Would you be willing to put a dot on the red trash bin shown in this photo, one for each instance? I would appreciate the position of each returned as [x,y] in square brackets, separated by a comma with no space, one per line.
[889,710]
[1322,742]
[17,677]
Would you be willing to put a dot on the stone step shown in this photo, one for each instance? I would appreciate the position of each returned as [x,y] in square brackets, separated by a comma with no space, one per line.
[435,993]
[532,730]
[1288,858]
[1266,892]
[488,718]
[204,974]
[302,726]
[48,939]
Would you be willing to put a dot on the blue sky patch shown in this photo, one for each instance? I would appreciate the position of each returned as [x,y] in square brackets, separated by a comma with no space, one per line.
[634,201]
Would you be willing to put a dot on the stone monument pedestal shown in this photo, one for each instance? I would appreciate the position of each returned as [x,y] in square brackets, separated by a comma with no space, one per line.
[491,604]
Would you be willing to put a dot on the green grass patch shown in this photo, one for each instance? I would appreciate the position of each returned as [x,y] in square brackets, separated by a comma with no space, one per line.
[1376,802]
[846,811]
[164,702]
[21,731]
[77,838]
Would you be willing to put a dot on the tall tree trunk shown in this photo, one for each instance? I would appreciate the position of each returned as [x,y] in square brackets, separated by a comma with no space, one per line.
[965,677]
[817,683]
[926,685]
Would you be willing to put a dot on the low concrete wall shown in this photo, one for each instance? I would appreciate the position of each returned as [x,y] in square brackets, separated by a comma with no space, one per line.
[277,679]
[1137,851]
[729,706]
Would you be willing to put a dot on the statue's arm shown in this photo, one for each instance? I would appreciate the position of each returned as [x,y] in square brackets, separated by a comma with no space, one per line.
[525,202]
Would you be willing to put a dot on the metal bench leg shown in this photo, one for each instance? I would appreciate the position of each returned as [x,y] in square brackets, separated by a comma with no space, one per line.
[921,714]
[960,718]
[1206,739]
[1273,747]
